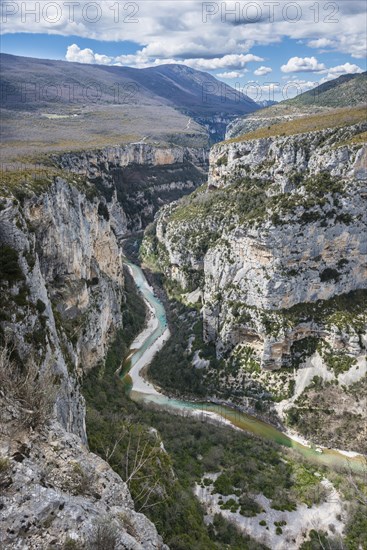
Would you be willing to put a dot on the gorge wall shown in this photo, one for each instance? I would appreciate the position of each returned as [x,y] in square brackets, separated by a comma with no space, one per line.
[141,176]
[62,298]
[281,224]
[273,253]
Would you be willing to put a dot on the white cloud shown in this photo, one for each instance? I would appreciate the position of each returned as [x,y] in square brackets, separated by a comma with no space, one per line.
[335,72]
[232,74]
[293,88]
[141,59]
[302,64]
[321,43]
[347,68]
[261,71]
[74,53]
[233,61]
[186,35]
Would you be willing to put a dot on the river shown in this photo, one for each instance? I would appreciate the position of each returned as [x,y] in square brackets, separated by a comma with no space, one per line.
[151,340]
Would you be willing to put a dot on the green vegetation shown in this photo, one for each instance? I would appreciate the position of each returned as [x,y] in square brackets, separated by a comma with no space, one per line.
[172,367]
[301,349]
[222,161]
[248,465]
[325,412]
[173,507]
[339,362]
[4,465]
[204,219]
[36,179]
[344,91]
[30,392]
[244,200]
[357,528]
[346,312]
[9,265]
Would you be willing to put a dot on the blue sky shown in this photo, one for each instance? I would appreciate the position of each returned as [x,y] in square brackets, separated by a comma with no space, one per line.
[258,47]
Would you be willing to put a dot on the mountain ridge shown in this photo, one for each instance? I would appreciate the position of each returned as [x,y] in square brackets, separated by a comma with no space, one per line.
[168,103]
[346,91]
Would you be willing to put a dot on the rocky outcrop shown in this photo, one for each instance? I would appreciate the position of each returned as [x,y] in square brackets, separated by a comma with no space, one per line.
[71,264]
[55,493]
[280,227]
[62,291]
[280,159]
[140,176]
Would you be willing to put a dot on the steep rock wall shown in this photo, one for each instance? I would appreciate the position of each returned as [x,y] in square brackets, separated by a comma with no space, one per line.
[142,177]
[62,288]
[282,223]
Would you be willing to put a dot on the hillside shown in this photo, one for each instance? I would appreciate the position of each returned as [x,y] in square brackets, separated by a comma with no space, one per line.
[56,105]
[336,118]
[344,92]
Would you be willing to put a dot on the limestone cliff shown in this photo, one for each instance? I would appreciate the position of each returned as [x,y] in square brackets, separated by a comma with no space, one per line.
[281,223]
[62,292]
[141,176]
[275,247]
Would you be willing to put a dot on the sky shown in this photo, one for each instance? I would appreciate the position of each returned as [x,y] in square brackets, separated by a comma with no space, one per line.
[269,49]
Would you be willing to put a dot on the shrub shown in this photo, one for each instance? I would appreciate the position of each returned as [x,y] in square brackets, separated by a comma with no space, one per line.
[40,306]
[72,544]
[4,465]
[9,265]
[103,211]
[329,274]
[32,389]
[80,481]
[104,536]
[222,161]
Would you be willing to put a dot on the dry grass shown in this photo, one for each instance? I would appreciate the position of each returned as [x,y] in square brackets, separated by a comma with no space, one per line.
[30,390]
[355,140]
[332,119]
[107,125]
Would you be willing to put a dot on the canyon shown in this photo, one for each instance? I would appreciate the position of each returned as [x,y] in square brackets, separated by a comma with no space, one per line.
[261,242]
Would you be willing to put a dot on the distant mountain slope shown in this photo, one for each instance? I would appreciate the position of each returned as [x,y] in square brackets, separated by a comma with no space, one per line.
[194,92]
[345,91]
[57,105]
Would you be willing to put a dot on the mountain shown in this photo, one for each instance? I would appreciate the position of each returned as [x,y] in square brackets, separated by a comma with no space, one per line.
[345,91]
[192,92]
[59,105]
[266,103]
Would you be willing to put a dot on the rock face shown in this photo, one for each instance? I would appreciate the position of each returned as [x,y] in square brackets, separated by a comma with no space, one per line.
[62,291]
[281,226]
[56,493]
[141,176]
[71,263]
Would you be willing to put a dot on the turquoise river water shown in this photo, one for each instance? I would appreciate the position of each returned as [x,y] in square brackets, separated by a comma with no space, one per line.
[238,419]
